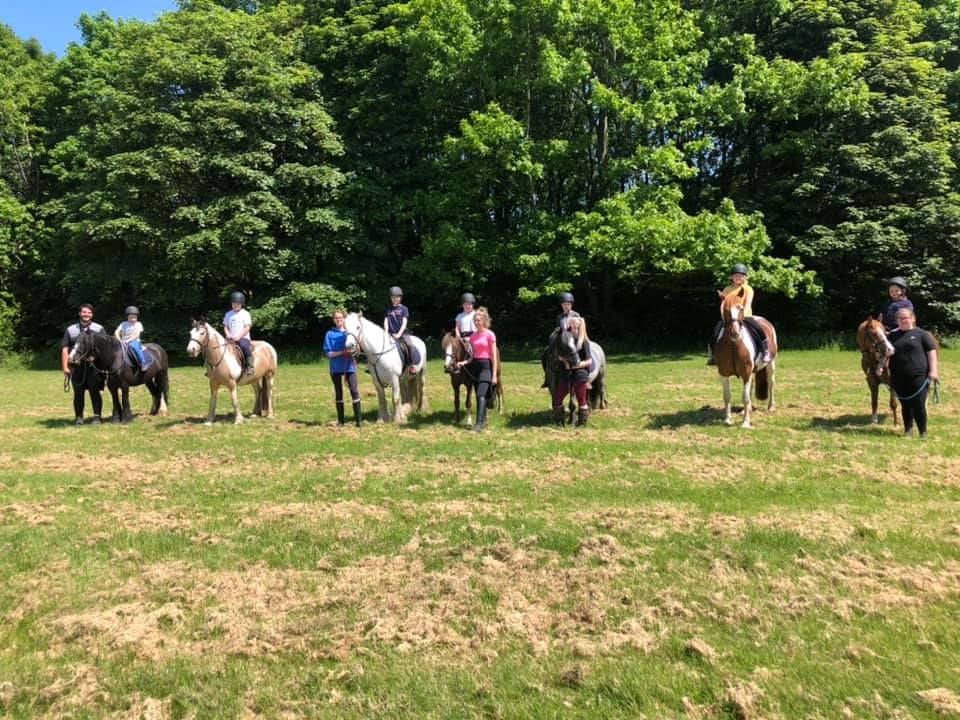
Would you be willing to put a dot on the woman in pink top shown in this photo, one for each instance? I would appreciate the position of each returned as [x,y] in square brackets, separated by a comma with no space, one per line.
[483,366]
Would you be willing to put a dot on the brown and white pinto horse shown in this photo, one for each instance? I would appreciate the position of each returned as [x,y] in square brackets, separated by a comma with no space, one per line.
[874,349]
[737,356]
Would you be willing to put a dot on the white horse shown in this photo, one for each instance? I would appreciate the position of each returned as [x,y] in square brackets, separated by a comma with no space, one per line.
[224,366]
[386,367]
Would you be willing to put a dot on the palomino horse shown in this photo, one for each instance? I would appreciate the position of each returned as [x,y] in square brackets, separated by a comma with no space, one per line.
[561,353]
[455,350]
[224,364]
[874,349]
[737,355]
[108,359]
[385,365]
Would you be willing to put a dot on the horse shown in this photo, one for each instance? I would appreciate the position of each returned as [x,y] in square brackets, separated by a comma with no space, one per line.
[874,350]
[454,351]
[385,365]
[561,353]
[108,355]
[737,356]
[224,366]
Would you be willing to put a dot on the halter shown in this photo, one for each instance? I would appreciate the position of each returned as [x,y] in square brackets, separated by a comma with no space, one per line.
[358,338]
[206,344]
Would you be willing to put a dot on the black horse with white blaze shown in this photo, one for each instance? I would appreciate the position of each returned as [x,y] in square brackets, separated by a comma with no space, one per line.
[111,359]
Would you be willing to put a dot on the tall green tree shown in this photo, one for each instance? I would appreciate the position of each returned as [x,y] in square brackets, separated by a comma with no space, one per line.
[191,156]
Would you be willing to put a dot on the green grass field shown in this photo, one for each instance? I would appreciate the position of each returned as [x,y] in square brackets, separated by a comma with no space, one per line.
[655,564]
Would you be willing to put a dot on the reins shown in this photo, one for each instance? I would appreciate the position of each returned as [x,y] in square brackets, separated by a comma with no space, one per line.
[373,365]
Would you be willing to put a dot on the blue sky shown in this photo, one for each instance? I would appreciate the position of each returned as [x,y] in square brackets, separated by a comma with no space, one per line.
[53,22]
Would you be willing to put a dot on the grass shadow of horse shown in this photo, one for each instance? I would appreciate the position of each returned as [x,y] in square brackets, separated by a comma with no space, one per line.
[860,424]
[705,415]
[536,418]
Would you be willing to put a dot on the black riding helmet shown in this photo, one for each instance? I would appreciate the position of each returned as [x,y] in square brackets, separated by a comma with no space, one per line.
[238,297]
[739,269]
[566,297]
[468,298]
[898,281]
[132,310]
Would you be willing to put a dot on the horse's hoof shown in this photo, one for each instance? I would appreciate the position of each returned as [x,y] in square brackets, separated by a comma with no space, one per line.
[747,426]
[874,420]
[208,423]
[728,422]
[115,420]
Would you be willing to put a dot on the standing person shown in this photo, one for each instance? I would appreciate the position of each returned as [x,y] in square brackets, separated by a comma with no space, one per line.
[236,327]
[483,365]
[464,326]
[738,281]
[913,367]
[566,312]
[897,292]
[83,377]
[128,332]
[395,321]
[577,377]
[342,365]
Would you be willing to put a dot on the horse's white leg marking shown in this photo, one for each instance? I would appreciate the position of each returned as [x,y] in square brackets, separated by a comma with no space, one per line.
[727,419]
[382,402]
[747,388]
[214,387]
[269,394]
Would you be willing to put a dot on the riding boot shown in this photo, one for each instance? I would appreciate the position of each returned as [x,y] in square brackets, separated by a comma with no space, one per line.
[712,358]
[558,415]
[583,414]
[248,363]
[765,350]
[340,413]
[356,413]
[481,415]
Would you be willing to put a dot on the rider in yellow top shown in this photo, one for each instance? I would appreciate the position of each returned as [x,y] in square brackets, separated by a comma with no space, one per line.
[738,281]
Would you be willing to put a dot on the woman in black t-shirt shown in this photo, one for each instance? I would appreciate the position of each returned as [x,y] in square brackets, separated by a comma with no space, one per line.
[913,366]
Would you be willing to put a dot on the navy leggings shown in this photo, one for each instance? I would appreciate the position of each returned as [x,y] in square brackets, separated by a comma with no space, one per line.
[351,379]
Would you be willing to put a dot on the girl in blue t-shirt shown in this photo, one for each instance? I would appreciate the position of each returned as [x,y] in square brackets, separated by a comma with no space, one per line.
[342,365]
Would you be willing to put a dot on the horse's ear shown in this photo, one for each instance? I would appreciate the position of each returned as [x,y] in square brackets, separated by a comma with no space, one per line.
[720,293]
[360,313]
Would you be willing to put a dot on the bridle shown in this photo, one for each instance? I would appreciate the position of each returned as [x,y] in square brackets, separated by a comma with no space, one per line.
[205,345]
[358,351]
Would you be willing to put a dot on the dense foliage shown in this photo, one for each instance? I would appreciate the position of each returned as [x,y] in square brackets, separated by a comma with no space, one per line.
[314,152]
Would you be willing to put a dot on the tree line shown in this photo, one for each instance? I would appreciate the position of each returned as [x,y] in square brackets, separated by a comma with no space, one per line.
[314,152]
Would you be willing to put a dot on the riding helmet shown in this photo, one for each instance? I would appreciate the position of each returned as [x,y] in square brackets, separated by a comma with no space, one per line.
[132,310]
[566,297]
[739,269]
[468,298]
[238,297]
[396,292]
[899,281]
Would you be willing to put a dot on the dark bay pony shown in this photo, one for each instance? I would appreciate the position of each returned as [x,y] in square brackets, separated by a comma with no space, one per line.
[874,346]
[454,351]
[738,356]
[562,352]
[109,360]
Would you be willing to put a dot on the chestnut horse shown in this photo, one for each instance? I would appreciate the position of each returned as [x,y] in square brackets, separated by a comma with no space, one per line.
[874,349]
[737,355]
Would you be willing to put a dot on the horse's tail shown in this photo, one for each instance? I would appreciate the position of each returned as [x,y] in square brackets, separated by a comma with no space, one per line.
[761,383]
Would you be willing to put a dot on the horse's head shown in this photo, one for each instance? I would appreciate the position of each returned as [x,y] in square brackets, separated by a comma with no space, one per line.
[199,337]
[872,338]
[353,326]
[566,347]
[731,310]
[84,347]
[453,352]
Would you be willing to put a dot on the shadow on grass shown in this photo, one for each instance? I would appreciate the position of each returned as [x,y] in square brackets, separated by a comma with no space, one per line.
[704,416]
[849,424]
[637,358]
[537,418]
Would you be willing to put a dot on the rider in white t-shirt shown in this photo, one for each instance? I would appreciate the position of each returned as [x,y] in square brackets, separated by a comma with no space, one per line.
[464,326]
[236,327]
[128,332]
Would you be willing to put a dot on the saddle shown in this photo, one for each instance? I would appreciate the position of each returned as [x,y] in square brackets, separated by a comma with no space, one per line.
[409,355]
[758,338]
[238,352]
[131,360]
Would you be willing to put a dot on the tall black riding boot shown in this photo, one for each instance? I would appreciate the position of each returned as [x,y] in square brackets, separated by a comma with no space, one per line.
[481,415]
[583,414]
[340,412]
[356,412]
[558,416]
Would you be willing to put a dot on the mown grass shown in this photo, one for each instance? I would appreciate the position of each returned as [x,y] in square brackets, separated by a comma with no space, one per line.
[655,564]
